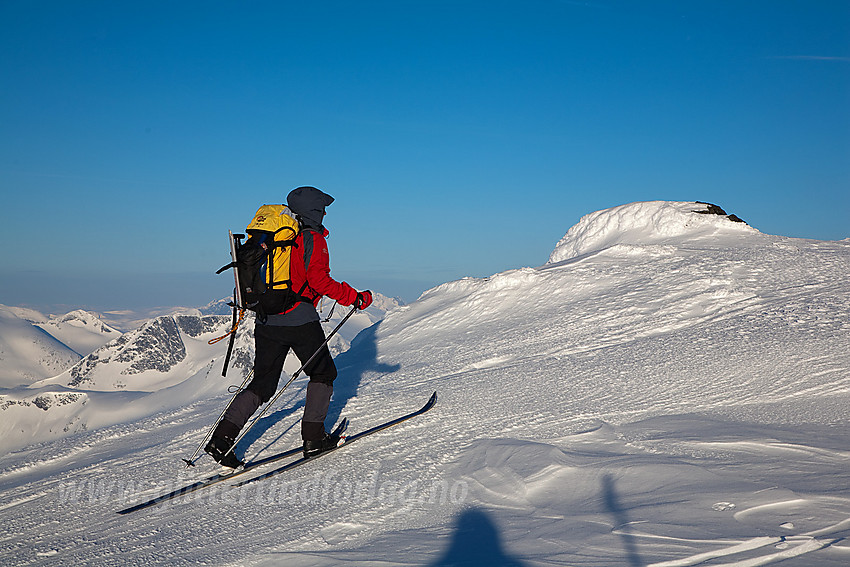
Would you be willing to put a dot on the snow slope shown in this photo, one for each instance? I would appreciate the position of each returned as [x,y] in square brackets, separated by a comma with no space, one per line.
[27,352]
[81,330]
[670,389]
[34,346]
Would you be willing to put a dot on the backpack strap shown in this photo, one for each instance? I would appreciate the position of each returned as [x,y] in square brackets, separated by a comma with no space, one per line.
[270,246]
[308,253]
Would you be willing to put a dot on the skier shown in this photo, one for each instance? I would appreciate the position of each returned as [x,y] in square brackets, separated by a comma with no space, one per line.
[297,328]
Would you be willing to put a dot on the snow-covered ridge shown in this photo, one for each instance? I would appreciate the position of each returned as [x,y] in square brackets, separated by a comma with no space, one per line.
[34,346]
[27,352]
[81,330]
[644,223]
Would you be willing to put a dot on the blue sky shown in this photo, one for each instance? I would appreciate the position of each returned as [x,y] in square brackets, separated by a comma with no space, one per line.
[458,138]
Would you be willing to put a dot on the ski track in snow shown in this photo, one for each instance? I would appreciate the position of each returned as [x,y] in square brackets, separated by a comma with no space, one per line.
[675,396]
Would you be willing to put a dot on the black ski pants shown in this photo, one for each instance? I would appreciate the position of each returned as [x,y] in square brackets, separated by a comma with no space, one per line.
[272,343]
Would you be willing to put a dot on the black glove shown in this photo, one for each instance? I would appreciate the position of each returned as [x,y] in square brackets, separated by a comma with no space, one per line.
[364,299]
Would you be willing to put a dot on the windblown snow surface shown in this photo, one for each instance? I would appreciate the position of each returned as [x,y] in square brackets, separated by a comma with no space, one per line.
[670,389]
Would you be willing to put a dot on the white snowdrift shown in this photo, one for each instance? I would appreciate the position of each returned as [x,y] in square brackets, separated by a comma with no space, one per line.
[648,223]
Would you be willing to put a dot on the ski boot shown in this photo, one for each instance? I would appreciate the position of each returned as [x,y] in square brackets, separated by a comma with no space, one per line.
[326,443]
[216,449]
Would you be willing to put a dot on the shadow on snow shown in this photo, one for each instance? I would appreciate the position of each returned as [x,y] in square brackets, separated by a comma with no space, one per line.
[359,359]
[475,541]
[353,365]
[621,521]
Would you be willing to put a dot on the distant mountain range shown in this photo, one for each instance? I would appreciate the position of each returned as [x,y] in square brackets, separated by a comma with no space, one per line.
[34,346]
[83,371]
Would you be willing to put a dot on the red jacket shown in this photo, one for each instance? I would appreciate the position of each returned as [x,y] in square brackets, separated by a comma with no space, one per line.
[310,263]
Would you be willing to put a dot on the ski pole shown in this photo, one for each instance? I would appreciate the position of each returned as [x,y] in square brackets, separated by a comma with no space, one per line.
[190,462]
[292,379]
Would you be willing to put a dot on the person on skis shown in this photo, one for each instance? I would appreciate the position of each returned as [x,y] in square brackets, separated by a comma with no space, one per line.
[298,328]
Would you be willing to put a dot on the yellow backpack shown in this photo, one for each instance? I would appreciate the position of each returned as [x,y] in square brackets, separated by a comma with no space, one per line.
[261,263]
[274,228]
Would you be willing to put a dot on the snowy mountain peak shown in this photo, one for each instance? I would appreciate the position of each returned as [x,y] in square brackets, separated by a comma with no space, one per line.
[81,318]
[156,346]
[81,330]
[643,223]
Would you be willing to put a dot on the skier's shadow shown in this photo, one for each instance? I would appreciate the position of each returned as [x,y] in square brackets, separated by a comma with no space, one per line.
[476,541]
[352,366]
[257,431]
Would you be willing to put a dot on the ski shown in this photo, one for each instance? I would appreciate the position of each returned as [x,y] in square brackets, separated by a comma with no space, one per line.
[348,441]
[220,477]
